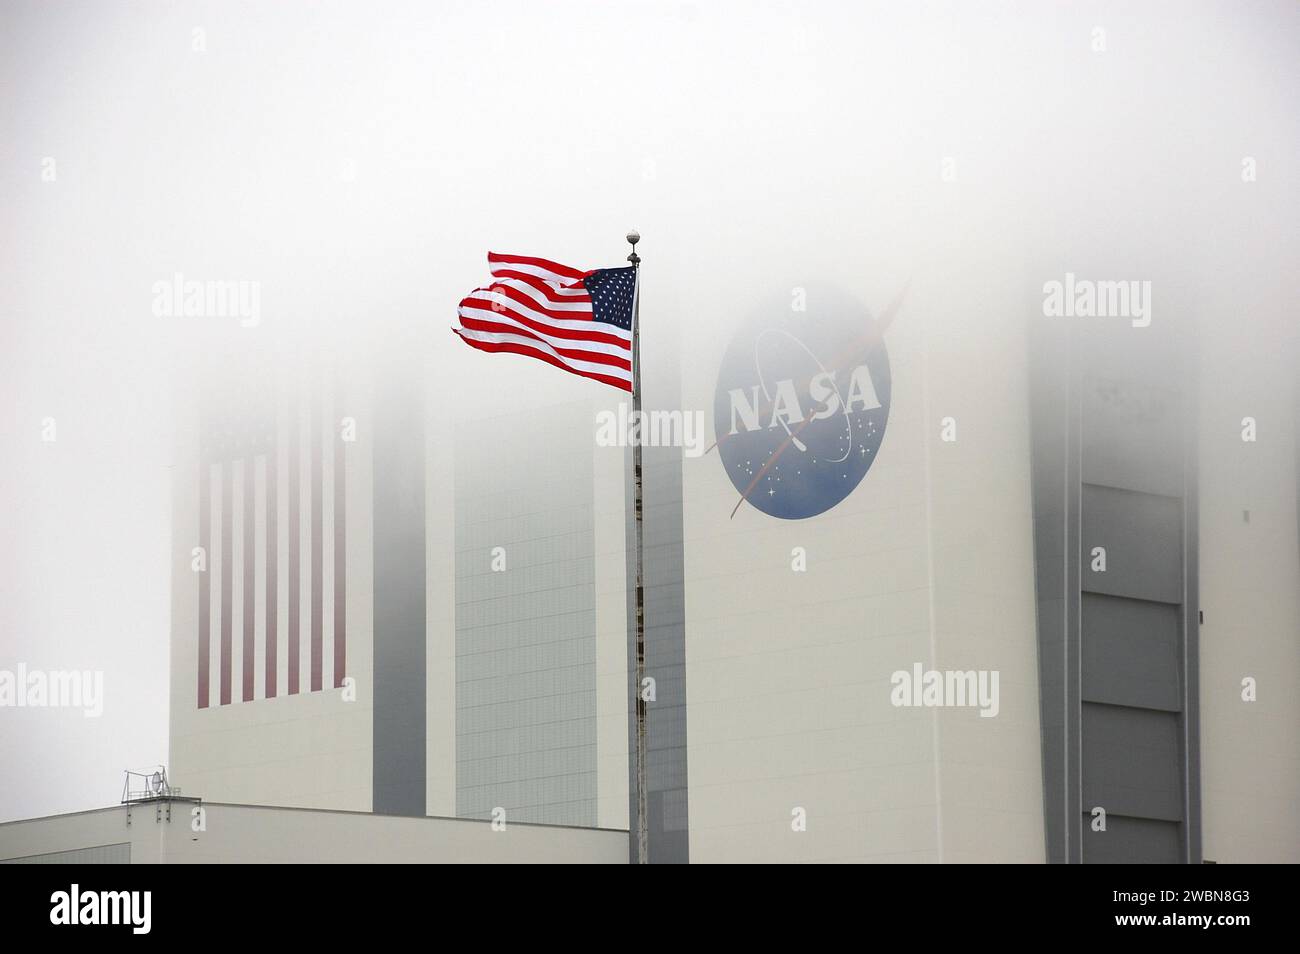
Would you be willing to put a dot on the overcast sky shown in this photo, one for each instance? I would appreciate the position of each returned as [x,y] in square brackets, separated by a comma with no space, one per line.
[358,160]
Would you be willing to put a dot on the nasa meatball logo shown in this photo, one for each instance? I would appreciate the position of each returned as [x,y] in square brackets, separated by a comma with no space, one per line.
[802,403]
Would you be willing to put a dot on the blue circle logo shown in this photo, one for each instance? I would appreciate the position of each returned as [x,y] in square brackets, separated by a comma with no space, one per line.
[801,405]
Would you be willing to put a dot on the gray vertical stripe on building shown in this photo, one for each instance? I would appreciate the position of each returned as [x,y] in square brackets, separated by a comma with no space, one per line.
[1115,466]
[1074,751]
[1049,432]
[526,630]
[665,642]
[399,598]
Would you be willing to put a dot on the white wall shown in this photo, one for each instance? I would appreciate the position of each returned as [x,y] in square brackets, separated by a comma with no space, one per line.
[929,560]
[1250,594]
[247,834]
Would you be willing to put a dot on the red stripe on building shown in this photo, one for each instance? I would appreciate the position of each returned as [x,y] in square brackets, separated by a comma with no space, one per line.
[294,500]
[272,568]
[205,580]
[340,555]
[249,516]
[317,522]
[227,480]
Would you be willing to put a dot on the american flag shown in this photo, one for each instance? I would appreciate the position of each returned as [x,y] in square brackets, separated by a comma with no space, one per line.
[272,523]
[577,320]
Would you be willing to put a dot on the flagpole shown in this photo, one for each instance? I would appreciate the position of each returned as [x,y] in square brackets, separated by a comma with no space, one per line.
[642,809]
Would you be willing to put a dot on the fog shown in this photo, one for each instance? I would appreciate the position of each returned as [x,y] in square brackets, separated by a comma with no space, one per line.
[357,161]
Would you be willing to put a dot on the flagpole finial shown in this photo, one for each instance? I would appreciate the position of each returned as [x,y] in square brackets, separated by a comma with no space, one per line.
[633,237]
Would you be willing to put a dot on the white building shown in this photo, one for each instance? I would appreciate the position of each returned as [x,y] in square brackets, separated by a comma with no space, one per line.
[473,562]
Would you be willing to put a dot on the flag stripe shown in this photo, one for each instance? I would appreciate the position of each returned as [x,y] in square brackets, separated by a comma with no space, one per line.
[574,329]
[577,324]
[555,294]
[577,364]
[529,297]
[541,267]
[503,321]
[545,310]
[513,345]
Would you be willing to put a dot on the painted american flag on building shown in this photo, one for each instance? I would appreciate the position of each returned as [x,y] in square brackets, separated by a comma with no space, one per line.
[272,526]
[577,320]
